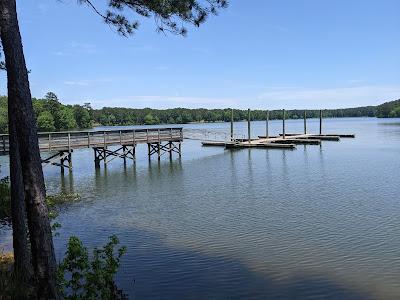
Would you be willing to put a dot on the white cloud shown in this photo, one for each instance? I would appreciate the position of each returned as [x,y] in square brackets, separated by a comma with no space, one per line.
[59,53]
[273,98]
[330,97]
[86,82]
[83,48]
[81,83]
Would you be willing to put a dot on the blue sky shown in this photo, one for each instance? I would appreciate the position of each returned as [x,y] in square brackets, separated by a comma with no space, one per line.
[267,55]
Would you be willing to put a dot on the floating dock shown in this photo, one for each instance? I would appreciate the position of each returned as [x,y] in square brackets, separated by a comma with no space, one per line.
[282,141]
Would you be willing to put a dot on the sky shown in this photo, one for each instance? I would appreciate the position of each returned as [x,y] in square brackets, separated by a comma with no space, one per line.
[259,54]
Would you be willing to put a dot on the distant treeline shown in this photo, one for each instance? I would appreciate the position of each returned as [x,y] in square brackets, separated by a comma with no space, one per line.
[388,109]
[51,115]
[128,116]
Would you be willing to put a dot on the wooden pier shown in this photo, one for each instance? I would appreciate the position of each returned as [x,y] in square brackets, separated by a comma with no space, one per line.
[282,141]
[60,145]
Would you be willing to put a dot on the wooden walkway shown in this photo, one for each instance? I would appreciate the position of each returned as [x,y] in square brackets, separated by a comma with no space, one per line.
[62,144]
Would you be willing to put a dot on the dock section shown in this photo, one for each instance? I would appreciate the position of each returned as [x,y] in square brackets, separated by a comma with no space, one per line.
[282,141]
[60,145]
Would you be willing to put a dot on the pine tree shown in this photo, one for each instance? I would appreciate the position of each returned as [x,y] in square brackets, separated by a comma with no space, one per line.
[27,180]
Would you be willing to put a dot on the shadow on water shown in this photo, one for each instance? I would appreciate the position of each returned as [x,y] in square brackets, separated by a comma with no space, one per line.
[163,272]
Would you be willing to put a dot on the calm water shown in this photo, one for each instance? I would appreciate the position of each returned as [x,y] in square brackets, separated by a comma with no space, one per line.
[316,222]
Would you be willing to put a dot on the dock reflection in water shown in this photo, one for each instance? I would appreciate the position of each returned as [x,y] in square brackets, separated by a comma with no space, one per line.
[319,222]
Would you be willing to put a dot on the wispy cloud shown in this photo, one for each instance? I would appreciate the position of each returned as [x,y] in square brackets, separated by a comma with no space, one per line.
[80,83]
[84,48]
[329,97]
[274,98]
[74,48]
[59,53]
[355,81]
[86,82]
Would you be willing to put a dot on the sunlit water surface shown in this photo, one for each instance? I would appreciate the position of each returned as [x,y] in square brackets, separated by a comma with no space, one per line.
[315,222]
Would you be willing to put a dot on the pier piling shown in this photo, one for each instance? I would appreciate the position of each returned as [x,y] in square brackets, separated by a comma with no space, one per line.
[320,121]
[248,125]
[283,124]
[232,124]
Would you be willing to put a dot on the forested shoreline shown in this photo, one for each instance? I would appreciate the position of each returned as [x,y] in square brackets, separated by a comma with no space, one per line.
[52,115]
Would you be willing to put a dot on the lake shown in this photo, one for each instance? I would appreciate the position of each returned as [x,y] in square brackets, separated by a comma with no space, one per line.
[315,222]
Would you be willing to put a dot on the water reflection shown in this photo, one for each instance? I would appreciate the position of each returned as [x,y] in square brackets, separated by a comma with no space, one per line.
[67,182]
[316,222]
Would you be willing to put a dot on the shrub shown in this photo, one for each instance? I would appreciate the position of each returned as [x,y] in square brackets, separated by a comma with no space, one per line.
[84,277]
[5,198]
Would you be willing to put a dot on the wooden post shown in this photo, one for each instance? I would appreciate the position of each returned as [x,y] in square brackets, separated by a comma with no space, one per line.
[148,148]
[96,158]
[69,142]
[49,142]
[267,126]
[320,121]
[248,126]
[133,136]
[70,161]
[283,124]
[88,139]
[120,137]
[170,150]
[305,122]
[180,149]
[61,162]
[232,124]
[105,147]
[124,149]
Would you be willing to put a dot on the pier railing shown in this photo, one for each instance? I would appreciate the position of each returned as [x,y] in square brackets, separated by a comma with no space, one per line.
[69,140]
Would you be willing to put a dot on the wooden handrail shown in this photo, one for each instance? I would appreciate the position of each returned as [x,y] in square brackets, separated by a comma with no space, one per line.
[69,140]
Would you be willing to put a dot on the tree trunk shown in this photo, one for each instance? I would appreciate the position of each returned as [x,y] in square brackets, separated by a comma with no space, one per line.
[20,102]
[22,250]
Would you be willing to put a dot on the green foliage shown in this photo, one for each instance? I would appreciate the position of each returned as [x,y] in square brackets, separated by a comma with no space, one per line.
[53,202]
[54,116]
[167,14]
[65,119]
[150,120]
[5,198]
[3,114]
[84,277]
[130,116]
[82,116]
[45,121]
[388,109]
